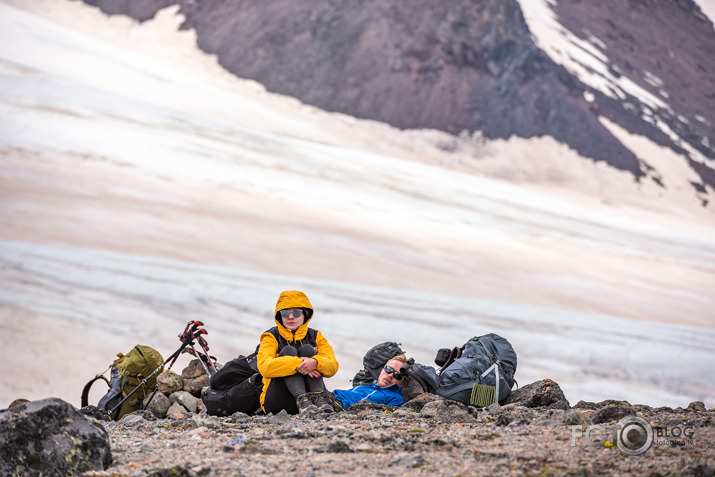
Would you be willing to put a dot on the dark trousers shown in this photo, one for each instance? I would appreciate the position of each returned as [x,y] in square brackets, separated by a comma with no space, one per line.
[281,392]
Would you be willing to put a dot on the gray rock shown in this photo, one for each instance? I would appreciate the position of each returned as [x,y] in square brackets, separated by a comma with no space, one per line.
[574,417]
[563,405]
[147,415]
[186,399]
[257,449]
[494,407]
[201,406]
[613,402]
[169,382]
[193,370]
[431,409]
[586,405]
[95,412]
[404,412]
[280,418]
[447,411]
[643,409]
[612,413]
[418,403]
[513,414]
[176,411]
[544,393]
[239,416]
[696,406]
[50,437]
[210,422]
[361,406]
[195,385]
[133,420]
[335,447]
[550,417]
[159,405]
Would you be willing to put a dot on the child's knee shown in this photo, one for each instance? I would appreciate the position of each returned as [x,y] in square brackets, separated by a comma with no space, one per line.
[306,351]
[289,351]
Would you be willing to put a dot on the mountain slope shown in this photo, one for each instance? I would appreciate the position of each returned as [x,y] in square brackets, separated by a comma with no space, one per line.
[473,66]
[652,62]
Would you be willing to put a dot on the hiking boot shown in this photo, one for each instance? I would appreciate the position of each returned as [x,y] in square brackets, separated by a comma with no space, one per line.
[320,398]
[305,405]
[333,401]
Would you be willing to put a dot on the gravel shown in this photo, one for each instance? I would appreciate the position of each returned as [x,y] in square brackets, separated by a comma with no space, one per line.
[376,440]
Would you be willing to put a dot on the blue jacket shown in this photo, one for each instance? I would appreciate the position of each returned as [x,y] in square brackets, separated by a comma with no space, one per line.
[391,396]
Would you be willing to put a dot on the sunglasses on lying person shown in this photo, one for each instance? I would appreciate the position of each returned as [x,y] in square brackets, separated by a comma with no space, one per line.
[395,374]
[297,313]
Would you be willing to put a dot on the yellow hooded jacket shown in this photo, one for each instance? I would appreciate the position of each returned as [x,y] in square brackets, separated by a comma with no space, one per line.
[270,365]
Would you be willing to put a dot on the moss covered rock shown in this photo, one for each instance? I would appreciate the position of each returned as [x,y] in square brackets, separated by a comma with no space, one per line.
[51,437]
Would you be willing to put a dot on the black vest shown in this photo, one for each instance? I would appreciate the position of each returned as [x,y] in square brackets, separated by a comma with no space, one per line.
[310,338]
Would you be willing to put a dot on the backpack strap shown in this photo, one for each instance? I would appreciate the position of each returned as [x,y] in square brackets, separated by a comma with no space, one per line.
[494,367]
[408,372]
[88,386]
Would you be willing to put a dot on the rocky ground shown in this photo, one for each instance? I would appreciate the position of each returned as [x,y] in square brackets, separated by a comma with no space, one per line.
[428,435]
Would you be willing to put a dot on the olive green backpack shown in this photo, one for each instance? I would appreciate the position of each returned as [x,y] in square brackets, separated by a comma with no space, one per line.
[127,373]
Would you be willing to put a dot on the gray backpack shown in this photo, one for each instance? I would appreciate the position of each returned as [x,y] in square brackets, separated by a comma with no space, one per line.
[479,373]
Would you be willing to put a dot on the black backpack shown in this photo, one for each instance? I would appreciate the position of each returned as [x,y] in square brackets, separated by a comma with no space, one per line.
[374,360]
[236,387]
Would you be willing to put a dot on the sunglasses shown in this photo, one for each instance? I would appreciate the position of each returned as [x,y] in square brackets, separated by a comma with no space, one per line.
[297,313]
[395,374]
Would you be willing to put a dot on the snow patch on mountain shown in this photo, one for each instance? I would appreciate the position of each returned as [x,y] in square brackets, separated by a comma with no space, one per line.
[708,8]
[585,59]
[588,60]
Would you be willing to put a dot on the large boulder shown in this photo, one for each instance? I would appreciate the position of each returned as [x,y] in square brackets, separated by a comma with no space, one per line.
[51,437]
[544,393]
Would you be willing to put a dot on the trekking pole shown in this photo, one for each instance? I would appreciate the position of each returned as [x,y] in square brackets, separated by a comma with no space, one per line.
[189,333]
[187,339]
[204,358]
[205,346]
[190,329]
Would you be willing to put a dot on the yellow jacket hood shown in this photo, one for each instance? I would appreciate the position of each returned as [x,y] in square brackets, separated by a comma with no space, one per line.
[293,299]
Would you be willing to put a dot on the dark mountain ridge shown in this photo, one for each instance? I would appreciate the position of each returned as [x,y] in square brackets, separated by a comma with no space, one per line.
[474,66]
